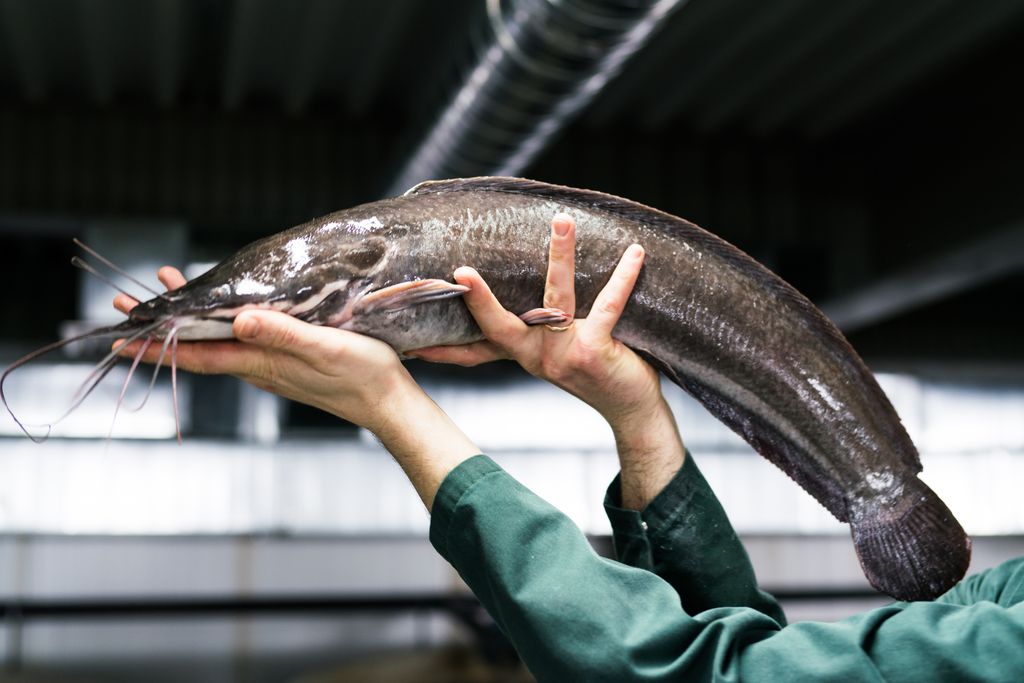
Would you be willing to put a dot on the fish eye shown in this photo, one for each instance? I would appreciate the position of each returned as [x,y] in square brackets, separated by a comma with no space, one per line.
[220,292]
[366,254]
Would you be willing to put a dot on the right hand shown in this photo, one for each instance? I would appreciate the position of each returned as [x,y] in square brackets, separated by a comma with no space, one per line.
[584,359]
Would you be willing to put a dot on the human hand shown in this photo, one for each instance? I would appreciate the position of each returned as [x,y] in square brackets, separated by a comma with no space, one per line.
[349,375]
[584,359]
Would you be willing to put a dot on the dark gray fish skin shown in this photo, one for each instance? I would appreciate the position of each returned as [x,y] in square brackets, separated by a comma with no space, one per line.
[753,350]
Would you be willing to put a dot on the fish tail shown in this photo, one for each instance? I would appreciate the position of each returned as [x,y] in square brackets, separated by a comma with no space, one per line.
[913,549]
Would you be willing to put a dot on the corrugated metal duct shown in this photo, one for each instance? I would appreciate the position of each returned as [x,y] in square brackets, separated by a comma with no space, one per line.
[537,63]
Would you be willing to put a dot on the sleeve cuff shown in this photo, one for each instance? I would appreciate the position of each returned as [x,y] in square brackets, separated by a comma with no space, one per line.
[635,532]
[455,485]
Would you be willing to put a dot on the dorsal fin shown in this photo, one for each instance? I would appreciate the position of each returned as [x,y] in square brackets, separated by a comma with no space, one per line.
[559,193]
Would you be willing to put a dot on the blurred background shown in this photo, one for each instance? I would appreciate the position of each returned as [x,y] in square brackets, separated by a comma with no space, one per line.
[868,151]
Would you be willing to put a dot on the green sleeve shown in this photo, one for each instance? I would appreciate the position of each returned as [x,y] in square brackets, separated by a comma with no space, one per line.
[685,537]
[918,641]
[1003,585]
[574,616]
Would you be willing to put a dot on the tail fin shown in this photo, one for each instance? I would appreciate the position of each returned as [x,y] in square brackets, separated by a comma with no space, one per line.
[913,549]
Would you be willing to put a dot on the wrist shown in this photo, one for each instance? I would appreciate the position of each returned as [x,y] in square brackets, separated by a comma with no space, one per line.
[636,408]
[632,399]
[389,402]
[421,437]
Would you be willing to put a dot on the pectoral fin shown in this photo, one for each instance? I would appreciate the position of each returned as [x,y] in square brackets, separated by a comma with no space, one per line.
[406,294]
[546,316]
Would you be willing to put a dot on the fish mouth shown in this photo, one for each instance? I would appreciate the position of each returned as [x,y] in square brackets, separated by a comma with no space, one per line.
[199,328]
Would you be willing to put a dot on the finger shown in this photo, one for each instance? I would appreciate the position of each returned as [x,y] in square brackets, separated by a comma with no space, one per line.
[171,277]
[124,303]
[611,300]
[560,290]
[280,331]
[466,355]
[497,324]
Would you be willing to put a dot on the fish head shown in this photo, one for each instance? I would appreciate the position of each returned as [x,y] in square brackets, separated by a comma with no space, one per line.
[311,272]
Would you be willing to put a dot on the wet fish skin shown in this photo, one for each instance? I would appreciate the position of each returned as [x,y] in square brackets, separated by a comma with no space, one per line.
[754,351]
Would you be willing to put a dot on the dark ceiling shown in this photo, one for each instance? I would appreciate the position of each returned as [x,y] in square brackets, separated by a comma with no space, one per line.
[868,150]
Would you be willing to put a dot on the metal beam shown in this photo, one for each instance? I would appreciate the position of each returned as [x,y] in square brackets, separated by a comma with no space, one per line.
[829,19]
[764,20]
[381,48]
[20,21]
[962,269]
[94,20]
[858,54]
[318,27]
[244,24]
[168,47]
[951,35]
[661,57]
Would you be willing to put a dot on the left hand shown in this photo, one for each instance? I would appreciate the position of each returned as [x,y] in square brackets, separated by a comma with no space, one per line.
[584,359]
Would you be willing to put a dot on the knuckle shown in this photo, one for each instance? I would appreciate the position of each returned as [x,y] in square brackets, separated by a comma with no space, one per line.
[583,359]
[285,337]
[609,306]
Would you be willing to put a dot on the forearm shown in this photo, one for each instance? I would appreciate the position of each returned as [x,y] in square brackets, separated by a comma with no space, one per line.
[421,437]
[650,452]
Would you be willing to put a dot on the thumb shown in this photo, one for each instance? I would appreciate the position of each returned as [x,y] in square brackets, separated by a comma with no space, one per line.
[275,330]
[497,324]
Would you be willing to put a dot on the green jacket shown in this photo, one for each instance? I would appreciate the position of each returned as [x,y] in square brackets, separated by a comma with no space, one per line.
[683,603]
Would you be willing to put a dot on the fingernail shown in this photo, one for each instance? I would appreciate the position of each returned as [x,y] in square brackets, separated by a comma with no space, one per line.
[561,225]
[638,251]
[249,328]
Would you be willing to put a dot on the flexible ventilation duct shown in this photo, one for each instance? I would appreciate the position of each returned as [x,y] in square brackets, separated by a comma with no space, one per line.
[537,63]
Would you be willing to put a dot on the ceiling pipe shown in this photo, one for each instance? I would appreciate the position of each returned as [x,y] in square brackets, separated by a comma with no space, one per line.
[536,65]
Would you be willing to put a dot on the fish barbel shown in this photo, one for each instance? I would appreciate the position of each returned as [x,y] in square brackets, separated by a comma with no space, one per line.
[754,351]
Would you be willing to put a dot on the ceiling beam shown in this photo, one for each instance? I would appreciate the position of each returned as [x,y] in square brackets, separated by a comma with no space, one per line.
[168,43]
[94,21]
[243,27]
[887,32]
[967,267]
[382,46]
[758,27]
[318,27]
[660,58]
[779,63]
[951,35]
[20,22]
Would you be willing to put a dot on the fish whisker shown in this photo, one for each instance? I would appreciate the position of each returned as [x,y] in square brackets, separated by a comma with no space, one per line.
[174,382]
[127,327]
[114,354]
[156,370]
[114,267]
[100,372]
[127,380]
[80,263]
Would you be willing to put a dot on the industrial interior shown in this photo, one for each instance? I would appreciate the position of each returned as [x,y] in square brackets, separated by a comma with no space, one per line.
[869,152]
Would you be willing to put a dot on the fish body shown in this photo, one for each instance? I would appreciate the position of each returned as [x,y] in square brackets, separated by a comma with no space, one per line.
[756,353]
